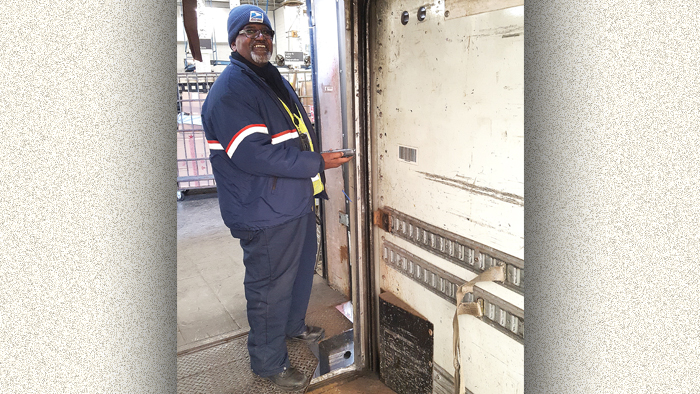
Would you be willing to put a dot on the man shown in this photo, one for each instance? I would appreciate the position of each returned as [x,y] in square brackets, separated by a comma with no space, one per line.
[268,169]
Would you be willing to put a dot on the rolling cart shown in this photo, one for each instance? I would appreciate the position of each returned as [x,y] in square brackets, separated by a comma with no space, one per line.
[193,166]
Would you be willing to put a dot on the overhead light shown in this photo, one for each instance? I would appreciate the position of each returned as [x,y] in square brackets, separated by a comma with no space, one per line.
[292,3]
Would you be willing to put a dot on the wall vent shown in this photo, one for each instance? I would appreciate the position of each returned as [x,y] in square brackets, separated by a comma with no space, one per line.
[407,154]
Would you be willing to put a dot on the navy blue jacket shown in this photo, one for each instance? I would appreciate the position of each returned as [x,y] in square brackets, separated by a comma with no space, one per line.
[262,174]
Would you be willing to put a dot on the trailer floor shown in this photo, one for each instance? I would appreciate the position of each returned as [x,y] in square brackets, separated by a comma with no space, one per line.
[365,384]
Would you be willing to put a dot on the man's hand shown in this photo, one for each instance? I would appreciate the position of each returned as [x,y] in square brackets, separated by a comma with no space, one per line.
[334,159]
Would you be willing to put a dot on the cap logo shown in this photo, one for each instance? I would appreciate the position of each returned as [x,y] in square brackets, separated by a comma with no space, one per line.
[256,17]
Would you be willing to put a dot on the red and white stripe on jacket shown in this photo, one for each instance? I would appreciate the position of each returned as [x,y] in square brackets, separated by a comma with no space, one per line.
[248,130]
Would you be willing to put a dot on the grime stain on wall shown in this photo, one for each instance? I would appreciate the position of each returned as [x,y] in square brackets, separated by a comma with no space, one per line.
[484,191]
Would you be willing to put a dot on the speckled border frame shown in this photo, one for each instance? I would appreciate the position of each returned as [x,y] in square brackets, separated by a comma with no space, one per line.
[89,214]
[612,212]
[88,207]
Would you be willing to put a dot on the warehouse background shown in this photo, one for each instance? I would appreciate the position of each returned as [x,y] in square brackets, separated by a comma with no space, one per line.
[289,21]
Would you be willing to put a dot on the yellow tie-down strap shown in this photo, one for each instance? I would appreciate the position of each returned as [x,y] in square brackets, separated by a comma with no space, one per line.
[304,133]
[496,273]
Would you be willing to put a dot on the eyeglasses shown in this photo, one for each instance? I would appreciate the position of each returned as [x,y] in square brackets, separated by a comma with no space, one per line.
[253,33]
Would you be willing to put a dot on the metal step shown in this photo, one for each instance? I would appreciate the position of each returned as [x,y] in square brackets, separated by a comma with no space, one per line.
[225,368]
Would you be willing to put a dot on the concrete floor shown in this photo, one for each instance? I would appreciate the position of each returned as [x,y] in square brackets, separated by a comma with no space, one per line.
[210,299]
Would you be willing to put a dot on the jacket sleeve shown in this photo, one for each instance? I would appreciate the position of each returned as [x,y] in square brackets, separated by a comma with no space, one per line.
[243,134]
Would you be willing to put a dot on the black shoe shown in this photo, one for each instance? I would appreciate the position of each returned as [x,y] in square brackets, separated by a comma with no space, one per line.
[289,380]
[312,334]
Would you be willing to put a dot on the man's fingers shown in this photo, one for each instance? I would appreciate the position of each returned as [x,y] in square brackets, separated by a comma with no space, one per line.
[334,159]
[331,155]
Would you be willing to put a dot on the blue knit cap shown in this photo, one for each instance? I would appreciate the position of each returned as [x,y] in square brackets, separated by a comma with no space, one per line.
[243,15]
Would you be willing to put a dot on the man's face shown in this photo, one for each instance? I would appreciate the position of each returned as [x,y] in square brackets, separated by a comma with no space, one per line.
[256,50]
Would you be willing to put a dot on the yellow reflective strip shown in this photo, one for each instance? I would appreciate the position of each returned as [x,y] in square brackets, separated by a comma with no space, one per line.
[301,126]
[301,129]
[318,185]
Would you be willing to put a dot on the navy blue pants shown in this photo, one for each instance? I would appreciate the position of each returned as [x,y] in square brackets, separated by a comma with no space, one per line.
[279,268]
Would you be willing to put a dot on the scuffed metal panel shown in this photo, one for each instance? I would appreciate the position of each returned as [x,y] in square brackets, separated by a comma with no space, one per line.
[470,187]
[452,90]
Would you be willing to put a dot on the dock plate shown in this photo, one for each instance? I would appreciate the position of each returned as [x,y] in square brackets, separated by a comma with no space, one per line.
[225,368]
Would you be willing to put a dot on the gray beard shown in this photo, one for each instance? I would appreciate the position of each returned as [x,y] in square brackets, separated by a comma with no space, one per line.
[260,59]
